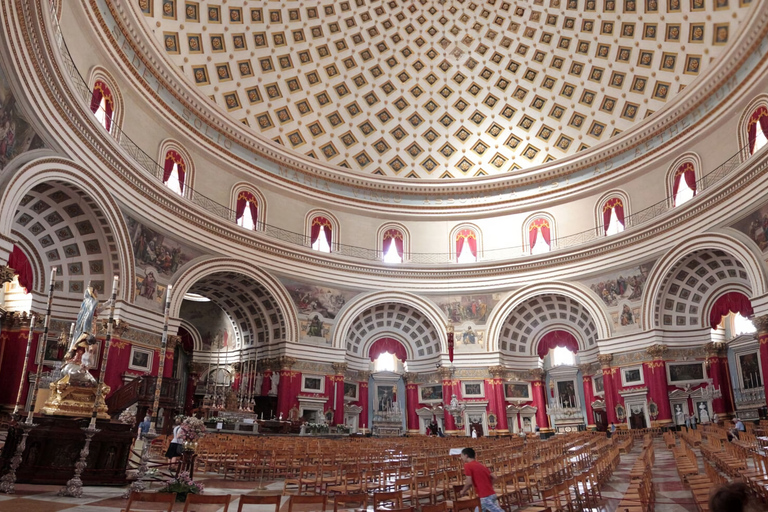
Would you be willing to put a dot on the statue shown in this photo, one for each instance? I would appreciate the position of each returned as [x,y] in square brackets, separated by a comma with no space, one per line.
[78,361]
[275,380]
[703,413]
[454,401]
[89,309]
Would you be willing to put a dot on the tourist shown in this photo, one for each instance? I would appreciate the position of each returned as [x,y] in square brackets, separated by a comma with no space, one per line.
[732,497]
[144,425]
[693,421]
[479,477]
[175,449]
[739,425]
[611,430]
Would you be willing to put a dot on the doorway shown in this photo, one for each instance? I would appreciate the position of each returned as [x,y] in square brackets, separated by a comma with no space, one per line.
[601,420]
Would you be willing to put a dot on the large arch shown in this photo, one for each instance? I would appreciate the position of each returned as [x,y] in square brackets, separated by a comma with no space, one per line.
[574,291]
[658,278]
[430,312]
[287,316]
[69,192]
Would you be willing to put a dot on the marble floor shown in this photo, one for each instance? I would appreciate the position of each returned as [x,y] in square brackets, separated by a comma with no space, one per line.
[670,493]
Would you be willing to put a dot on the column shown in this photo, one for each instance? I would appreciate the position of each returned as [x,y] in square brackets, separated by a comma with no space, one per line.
[287,387]
[608,386]
[362,393]
[338,382]
[717,369]
[412,402]
[539,390]
[448,391]
[655,373]
[499,407]
[589,394]
[761,324]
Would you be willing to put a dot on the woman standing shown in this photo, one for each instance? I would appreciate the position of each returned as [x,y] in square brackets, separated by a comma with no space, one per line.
[176,448]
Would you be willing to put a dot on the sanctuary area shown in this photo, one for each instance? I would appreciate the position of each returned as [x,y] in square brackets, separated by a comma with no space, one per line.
[365,254]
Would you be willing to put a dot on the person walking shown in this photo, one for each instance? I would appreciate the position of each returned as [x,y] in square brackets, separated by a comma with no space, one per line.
[479,477]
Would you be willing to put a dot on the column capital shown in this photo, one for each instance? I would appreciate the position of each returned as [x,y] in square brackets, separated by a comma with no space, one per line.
[605,360]
[173,340]
[339,368]
[410,377]
[118,328]
[586,370]
[716,349]
[444,373]
[283,363]
[198,368]
[363,376]
[761,324]
[657,351]
[497,371]
[6,275]
[537,374]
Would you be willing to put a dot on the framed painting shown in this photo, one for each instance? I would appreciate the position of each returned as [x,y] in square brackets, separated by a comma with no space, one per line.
[632,376]
[598,385]
[350,391]
[517,391]
[472,389]
[429,393]
[749,366]
[312,384]
[141,359]
[685,373]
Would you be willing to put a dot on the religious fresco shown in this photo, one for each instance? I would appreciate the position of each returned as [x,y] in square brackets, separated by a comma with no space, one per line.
[158,257]
[755,226]
[621,292]
[16,134]
[469,313]
[211,322]
[318,307]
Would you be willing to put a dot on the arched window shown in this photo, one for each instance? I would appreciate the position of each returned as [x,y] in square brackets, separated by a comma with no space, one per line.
[539,235]
[466,246]
[321,234]
[103,104]
[613,216]
[684,184]
[174,171]
[247,210]
[758,137]
[392,246]
[562,356]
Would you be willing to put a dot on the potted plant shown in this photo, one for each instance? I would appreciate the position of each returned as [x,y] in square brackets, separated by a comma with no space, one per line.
[182,486]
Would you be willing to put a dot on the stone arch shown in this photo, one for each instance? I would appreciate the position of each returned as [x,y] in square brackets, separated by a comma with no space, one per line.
[426,314]
[189,164]
[614,193]
[99,73]
[197,340]
[271,290]
[761,100]
[685,158]
[660,277]
[574,292]
[61,206]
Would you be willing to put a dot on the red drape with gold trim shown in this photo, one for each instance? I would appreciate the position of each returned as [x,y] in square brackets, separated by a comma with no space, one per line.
[614,204]
[246,198]
[101,91]
[20,264]
[315,231]
[171,158]
[731,302]
[393,236]
[758,116]
[689,174]
[387,345]
[466,236]
[557,339]
[538,225]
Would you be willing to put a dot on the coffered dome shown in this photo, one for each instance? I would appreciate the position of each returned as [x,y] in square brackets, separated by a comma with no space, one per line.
[442,88]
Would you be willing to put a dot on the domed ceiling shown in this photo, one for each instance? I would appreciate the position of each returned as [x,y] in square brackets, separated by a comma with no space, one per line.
[442,88]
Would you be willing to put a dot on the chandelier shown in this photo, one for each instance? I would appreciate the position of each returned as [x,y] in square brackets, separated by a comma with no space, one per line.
[456,409]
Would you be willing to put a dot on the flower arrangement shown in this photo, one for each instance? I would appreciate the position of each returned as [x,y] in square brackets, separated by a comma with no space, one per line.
[182,485]
[127,417]
[343,429]
[318,428]
[192,429]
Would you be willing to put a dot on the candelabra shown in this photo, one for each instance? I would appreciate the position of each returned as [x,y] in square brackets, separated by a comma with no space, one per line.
[456,409]
[710,392]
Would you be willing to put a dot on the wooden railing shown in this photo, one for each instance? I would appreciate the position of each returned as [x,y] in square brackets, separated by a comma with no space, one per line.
[142,390]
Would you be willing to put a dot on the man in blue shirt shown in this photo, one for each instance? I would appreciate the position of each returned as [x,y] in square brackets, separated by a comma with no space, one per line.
[144,425]
[739,425]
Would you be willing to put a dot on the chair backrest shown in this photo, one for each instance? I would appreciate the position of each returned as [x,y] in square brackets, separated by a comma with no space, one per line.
[394,497]
[308,500]
[440,507]
[260,500]
[151,497]
[207,499]
[344,501]
[470,505]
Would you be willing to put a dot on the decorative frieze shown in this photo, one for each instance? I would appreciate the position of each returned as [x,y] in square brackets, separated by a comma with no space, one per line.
[605,360]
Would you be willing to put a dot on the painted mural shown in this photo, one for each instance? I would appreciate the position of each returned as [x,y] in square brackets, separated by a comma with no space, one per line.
[211,322]
[755,226]
[157,258]
[318,307]
[16,134]
[469,314]
[621,292]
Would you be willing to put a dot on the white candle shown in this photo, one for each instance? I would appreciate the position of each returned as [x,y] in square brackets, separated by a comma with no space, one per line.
[168,294]
[114,285]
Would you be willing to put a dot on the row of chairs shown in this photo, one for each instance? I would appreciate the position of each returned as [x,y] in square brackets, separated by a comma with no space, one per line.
[640,495]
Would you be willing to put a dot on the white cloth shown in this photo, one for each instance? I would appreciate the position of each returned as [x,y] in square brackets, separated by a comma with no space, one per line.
[176,432]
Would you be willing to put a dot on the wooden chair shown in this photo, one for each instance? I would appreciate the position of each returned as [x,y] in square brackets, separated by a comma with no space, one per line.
[350,502]
[207,499]
[317,501]
[151,497]
[468,505]
[440,507]
[387,500]
[260,500]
